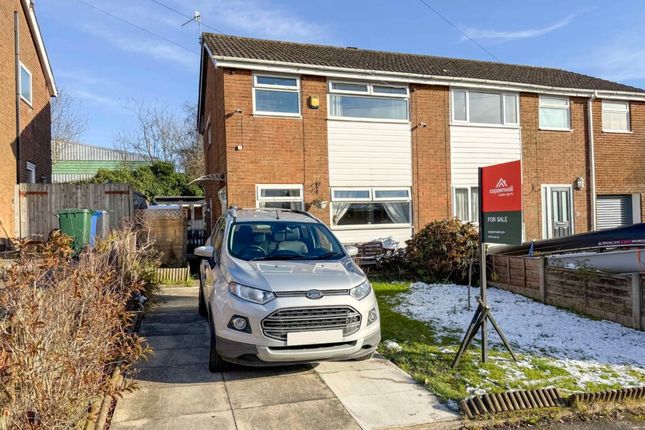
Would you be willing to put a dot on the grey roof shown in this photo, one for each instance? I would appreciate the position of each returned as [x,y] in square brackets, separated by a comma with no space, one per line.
[225,46]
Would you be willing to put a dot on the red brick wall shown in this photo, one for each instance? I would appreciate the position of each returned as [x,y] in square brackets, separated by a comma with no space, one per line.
[430,154]
[553,157]
[620,157]
[35,120]
[275,150]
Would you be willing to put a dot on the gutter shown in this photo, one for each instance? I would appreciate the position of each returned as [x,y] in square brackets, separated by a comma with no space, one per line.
[349,73]
[592,161]
[16,33]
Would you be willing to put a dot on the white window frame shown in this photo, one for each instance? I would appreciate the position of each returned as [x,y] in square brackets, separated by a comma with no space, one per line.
[209,132]
[469,203]
[371,199]
[627,111]
[501,94]
[31,170]
[31,86]
[259,199]
[368,93]
[282,88]
[542,103]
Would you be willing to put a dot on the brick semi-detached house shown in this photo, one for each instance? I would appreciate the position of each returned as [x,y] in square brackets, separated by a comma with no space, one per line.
[26,85]
[378,144]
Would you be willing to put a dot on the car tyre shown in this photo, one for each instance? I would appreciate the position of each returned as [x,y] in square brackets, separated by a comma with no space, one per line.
[215,361]
[202,302]
[364,357]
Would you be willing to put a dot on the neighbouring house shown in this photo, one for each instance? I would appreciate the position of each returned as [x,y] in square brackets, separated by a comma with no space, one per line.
[377,144]
[73,161]
[26,86]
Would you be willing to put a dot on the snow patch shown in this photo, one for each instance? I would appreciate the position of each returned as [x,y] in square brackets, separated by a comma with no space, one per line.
[391,345]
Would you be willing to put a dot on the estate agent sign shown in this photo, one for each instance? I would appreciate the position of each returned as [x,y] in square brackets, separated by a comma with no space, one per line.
[501,203]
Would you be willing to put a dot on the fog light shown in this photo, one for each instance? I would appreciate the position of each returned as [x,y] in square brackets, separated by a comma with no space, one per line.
[240,324]
[372,316]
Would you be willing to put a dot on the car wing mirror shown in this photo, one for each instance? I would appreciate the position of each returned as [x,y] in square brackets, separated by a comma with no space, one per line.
[352,251]
[205,251]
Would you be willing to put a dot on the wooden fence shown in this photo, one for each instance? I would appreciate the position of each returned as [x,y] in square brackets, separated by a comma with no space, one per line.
[37,204]
[618,298]
[168,232]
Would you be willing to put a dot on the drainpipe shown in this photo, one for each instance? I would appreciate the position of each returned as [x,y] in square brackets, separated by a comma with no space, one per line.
[592,160]
[16,29]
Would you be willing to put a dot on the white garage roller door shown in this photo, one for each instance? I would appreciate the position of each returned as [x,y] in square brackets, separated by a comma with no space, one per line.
[614,211]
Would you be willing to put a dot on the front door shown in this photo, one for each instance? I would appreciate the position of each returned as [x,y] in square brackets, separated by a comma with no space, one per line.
[557,211]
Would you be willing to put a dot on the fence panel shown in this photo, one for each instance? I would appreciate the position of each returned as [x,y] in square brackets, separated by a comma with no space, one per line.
[37,204]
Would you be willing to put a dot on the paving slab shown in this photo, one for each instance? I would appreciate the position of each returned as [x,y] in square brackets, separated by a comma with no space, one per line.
[173,376]
[174,402]
[171,342]
[326,414]
[177,357]
[384,396]
[247,393]
[174,329]
[209,421]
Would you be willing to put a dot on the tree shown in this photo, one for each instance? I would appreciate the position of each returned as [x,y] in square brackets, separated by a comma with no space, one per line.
[191,155]
[69,121]
[156,179]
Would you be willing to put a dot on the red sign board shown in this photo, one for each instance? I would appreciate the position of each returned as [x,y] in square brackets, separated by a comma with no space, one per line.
[502,186]
[501,203]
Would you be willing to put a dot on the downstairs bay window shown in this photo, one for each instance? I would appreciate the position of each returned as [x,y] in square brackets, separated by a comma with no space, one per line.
[371,207]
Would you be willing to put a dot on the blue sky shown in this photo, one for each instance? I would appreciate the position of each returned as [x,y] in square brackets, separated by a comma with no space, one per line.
[105,63]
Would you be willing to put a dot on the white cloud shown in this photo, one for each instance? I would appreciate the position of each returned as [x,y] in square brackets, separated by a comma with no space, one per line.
[157,50]
[99,99]
[504,36]
[261,19]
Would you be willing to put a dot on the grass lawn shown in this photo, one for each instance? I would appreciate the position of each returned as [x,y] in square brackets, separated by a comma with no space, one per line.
[427,357]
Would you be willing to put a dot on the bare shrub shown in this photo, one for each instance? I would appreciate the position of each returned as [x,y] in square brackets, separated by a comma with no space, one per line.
[65,325]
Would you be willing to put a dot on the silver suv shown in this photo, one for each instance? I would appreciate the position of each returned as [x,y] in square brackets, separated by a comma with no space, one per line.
[279,288]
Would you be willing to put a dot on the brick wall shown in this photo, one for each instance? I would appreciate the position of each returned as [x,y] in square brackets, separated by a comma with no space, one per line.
[619,156]
[430,154]
[553,157]
[35,120]
[274,150]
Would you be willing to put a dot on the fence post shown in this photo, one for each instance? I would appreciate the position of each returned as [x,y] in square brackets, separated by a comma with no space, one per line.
[542,277]
[636,301]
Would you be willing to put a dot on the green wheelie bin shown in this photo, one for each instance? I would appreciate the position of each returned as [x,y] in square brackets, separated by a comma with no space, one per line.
[77,224]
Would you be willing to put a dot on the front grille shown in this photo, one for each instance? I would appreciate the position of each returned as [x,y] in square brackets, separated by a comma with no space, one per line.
[283,321]
[300,293]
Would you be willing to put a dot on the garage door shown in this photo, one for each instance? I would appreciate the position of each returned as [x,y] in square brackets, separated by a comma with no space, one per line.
[614,211]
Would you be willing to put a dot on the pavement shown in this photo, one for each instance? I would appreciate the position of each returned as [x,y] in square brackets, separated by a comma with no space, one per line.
[176,390]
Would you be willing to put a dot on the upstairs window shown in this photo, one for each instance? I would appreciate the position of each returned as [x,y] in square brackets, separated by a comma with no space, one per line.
[25,84]
[370,206]
[615,116]
[276,95]
[554,113]
[367,100]
[280,197]
[479,107]
[31,173]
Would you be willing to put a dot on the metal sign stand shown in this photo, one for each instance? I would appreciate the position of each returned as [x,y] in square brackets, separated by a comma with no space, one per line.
[483,314]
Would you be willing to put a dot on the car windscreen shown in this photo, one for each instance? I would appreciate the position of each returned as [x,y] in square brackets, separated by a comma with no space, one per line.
[283,240]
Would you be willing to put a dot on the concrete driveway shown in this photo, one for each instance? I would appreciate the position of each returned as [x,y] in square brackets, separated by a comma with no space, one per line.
[178,392]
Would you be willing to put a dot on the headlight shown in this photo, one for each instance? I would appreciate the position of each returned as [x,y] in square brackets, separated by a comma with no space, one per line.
[361,291]
[250,294]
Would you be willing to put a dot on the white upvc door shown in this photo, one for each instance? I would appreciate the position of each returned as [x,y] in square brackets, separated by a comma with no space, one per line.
[557,211]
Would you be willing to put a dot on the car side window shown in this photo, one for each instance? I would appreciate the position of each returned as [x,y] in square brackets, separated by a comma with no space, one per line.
[219,237]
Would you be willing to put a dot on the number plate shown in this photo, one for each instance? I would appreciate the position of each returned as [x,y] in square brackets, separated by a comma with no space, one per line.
[314,337]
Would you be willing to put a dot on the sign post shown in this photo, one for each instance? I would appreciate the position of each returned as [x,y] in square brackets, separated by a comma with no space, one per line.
[500,221]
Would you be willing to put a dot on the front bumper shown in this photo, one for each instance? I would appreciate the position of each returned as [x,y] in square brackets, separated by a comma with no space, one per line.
[256,349]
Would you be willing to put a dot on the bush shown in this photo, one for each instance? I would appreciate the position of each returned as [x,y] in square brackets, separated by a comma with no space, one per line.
[442,252]
[65,325]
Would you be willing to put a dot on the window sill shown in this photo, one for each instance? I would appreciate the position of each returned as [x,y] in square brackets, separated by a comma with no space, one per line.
[277,115]
[371,227]
[27,102]
[618,131]
[352,119]
[555,129]
[470,124]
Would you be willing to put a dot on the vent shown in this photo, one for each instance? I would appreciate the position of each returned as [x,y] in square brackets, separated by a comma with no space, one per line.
[511,401]
[283,321]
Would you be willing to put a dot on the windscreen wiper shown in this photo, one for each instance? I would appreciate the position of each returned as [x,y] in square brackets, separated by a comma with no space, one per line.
[328,255]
